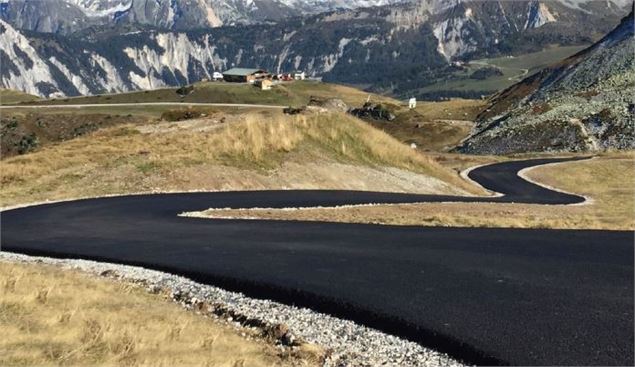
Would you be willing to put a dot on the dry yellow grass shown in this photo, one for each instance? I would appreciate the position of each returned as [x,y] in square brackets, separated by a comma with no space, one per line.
[455,109]
[352,96]
[433,126]
[121,160]
[609,180]
[50,316]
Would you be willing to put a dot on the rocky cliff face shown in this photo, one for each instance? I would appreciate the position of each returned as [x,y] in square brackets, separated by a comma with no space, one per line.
[68,16]
[475,27]
[52,67]
[389,48]
[583,103]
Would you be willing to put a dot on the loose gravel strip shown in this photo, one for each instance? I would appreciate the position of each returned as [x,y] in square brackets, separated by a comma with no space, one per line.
[347,343]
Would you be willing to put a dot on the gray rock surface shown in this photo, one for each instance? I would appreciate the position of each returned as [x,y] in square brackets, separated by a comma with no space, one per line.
[583,103]
[330,104]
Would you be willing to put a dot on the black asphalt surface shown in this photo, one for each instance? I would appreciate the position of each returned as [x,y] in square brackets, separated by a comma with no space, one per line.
[485,296]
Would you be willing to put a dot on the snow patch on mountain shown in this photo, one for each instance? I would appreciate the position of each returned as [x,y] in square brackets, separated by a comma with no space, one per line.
[102,8]
[317,6]
[186,14]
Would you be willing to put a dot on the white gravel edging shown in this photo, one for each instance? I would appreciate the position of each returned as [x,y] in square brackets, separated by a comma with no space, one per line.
[465,175]
[348,343]
[201,213]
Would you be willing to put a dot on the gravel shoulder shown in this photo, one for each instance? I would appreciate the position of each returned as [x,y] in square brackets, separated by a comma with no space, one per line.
[345,342]
[52,315]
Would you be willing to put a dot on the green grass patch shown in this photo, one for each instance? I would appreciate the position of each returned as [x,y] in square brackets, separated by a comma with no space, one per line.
[9,96]
[147,167]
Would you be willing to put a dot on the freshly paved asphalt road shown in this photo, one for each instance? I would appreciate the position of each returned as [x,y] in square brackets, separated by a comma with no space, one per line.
[486,296]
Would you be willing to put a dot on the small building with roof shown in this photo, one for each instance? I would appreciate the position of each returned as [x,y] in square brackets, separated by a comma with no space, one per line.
[244,75]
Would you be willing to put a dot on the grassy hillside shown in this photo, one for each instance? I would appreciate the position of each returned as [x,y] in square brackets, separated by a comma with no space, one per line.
[433,126]
[53,317]
[21,133]
[536,60]
[288,94]
[246,151]
[9,96]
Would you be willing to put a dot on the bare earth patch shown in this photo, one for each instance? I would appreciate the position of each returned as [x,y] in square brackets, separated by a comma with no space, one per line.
[51,316]
[609,180]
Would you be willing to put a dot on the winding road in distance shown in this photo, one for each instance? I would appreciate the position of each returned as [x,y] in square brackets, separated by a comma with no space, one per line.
[483,295]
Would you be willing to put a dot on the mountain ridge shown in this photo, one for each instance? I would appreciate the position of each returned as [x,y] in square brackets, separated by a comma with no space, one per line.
[389,49]
[69,16]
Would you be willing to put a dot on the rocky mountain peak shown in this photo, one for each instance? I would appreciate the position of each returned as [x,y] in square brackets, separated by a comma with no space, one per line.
[68,16]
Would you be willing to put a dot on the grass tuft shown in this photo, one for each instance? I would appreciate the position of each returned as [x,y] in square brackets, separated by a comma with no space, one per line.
[61,317]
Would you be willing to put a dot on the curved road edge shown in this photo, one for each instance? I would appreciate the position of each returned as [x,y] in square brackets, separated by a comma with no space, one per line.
[465,174]
[391,322]
[515,188]
[523,174]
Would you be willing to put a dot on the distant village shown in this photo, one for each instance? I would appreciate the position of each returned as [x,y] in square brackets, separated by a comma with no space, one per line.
[265,80]
[259,77]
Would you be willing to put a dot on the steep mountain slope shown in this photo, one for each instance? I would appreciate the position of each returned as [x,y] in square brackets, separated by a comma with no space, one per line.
[470,27]
[392,49]
[100,62]
[67,16]
[583,103]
